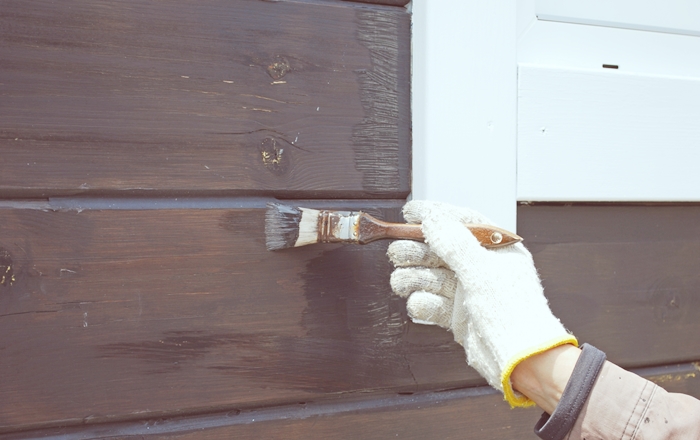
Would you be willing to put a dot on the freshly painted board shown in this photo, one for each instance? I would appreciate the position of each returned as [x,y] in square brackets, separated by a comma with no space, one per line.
[671,16]
[118,310]
[112,310]
[607,135]
[209,97]
[469,413]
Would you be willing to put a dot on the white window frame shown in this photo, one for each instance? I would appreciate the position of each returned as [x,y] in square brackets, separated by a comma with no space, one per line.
[465,97]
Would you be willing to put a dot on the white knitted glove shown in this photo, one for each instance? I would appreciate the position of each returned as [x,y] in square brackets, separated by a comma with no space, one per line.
[491,300]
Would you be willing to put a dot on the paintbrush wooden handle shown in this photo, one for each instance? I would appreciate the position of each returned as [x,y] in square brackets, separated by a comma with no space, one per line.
[371,229]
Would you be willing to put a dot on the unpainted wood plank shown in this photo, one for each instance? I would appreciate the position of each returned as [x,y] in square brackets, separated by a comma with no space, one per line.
[110,314]
[291,98]
[625,278]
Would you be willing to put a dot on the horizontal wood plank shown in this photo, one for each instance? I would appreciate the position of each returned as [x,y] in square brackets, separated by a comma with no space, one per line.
[384,2]
[473,413]
[109,314]
[144,312]
[433,415]
[290,98]
[623,277]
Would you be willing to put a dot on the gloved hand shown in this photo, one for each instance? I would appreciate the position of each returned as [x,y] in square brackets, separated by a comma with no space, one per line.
[491,300]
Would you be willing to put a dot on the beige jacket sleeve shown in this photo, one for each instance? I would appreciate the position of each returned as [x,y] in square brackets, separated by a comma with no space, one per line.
[625,406]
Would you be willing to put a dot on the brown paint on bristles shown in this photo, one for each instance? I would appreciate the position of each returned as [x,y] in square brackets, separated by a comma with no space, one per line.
[287,227]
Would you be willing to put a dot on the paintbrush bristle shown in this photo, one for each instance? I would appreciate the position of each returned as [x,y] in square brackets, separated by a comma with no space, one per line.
[308,227]
[287,226]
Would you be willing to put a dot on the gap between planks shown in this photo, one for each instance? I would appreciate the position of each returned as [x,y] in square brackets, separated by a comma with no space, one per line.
[148,203]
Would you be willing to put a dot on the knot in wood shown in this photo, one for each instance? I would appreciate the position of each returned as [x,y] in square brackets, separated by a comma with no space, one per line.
[273,155]
[7,272]
[279,68]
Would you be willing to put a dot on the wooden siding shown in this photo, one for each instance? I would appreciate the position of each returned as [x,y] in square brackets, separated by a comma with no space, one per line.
[136,295]
[182,308]
[625,278]
[473,414]
[150,309]
[289,98]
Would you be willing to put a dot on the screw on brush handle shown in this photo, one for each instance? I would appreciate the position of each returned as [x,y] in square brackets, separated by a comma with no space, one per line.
[371,229]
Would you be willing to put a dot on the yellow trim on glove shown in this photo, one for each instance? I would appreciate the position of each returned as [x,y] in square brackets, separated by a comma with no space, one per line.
[508,393]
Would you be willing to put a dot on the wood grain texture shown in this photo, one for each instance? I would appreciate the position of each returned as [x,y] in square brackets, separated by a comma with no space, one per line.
[419,416]
[111,314]
[625,278]
[290,98]
[473,413]
[147,313]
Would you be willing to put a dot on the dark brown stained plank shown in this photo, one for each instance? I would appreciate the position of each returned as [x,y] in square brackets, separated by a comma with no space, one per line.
[128,312]
[291,98]
[476,413]
[473,413]
[625,278]
[111,310]
[384,2]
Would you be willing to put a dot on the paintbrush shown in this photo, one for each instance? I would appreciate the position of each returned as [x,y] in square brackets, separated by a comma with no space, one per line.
[287,226]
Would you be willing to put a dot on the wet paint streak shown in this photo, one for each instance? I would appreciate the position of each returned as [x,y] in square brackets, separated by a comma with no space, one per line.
[352,338]
[171,351]
[349,300]
[354,330]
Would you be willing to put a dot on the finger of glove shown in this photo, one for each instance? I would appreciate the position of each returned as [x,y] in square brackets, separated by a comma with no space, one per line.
[439,281]
[404,253]
[453,243]
[427,308]
[416,210]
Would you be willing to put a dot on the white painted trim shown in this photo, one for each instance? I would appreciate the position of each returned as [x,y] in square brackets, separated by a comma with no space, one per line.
[465,105]
[566,45]
[606,135]
[668,16]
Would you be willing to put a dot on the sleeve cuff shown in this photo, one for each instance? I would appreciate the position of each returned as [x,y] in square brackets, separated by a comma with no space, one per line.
[579,386]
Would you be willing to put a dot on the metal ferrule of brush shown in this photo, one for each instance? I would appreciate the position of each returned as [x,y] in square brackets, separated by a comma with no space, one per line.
[338,226]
